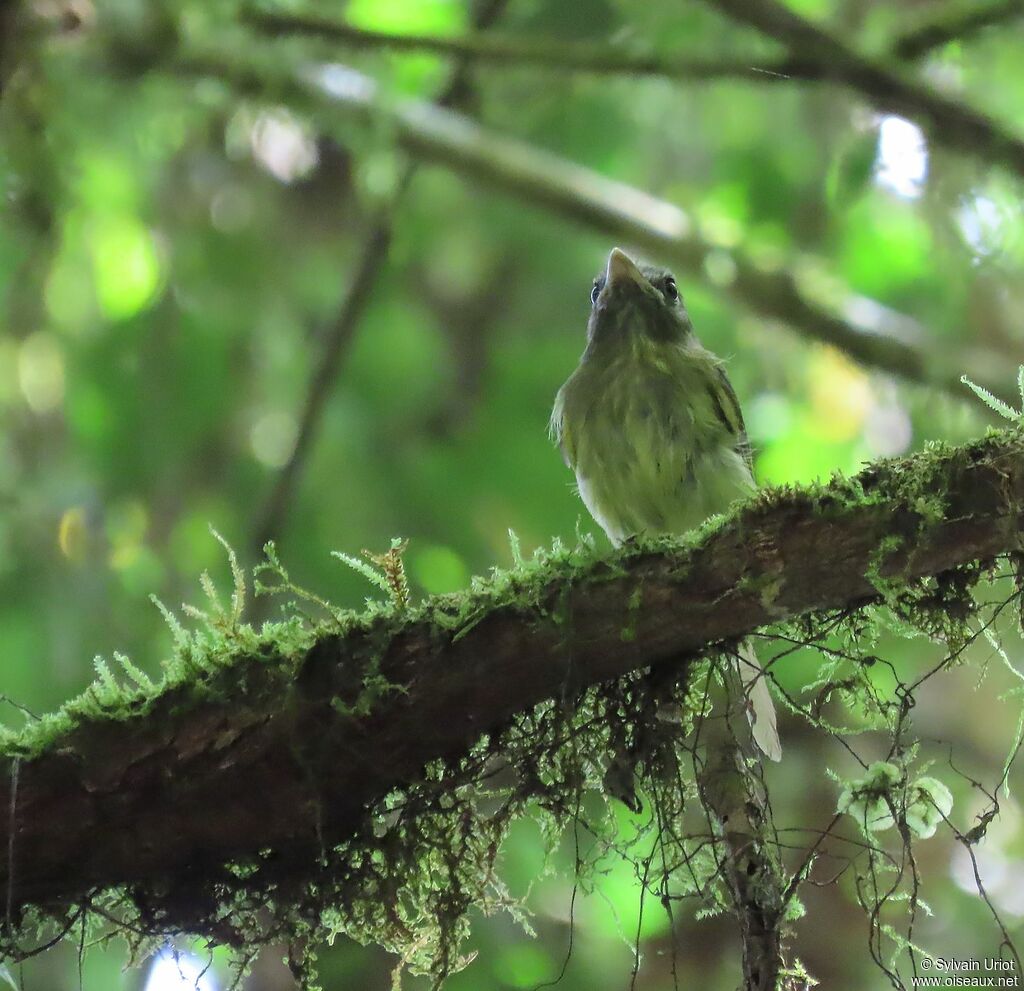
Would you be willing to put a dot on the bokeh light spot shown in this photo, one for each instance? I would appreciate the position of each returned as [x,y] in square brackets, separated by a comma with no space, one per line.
[841,395]
[982,222]
[769,415]
[888,431]
[126,265]
[272,438]
[902,162]
[9,389]
[409,16]
[439,570]
[68,293]
[283,146]
[41,372]
[720,268]
[179,972]
[127,523]
[522,965]
[73,534]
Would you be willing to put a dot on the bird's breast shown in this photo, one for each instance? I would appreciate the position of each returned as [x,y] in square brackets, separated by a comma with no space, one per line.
[651,454]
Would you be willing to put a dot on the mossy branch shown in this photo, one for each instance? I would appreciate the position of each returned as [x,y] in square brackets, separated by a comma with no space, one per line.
[247,772]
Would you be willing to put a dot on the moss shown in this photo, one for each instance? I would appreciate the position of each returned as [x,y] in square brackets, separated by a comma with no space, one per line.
[887,587]
[636,598]
[426,853]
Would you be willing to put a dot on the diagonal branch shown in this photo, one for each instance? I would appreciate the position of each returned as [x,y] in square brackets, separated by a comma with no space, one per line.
[950,123]
[606,58]
[278,742]
[955,25]
[814,56]
[867,331]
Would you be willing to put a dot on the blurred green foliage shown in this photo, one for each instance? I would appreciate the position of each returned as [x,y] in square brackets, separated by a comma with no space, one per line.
[173,254]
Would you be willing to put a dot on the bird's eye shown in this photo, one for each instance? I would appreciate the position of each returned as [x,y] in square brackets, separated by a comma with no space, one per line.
[595,292]
[671,290]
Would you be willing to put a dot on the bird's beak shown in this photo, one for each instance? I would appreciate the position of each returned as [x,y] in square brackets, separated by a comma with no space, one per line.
[622,270]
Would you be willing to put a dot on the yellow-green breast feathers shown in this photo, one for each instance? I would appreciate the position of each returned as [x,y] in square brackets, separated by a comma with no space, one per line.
[655,437]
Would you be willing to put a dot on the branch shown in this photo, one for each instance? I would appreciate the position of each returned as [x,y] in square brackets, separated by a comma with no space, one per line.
[623,58]
[867,331]
[955,25]
[949,123]
[248,771]
[734,796]
[814,56]
[558,56]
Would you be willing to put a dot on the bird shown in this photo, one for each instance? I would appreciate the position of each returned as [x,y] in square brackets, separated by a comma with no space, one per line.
[652,428]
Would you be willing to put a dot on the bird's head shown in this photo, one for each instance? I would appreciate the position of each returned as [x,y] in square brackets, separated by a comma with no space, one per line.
[630,299]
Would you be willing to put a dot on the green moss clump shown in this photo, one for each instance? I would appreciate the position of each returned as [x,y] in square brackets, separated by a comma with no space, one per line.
[427,853]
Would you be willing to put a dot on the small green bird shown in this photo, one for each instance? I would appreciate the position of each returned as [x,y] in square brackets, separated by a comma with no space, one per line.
[653,430]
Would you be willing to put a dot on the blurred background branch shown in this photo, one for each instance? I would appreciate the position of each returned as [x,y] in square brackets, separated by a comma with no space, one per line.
[812,306]
[949,122]
[958,23]
[627,56]
[814,55]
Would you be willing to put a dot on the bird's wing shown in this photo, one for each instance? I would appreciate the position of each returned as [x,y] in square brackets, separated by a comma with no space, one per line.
[727,408]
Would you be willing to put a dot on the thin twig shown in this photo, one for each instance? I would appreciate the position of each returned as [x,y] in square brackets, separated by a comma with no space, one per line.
[957,25]
[559,56]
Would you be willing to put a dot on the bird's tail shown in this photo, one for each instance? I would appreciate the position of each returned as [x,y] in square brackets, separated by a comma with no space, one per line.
[758,702]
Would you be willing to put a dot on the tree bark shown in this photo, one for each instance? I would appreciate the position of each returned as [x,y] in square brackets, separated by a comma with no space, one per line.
[270,758]
[755,878]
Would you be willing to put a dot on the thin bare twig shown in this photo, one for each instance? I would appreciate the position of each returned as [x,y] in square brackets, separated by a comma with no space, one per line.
[956,25]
